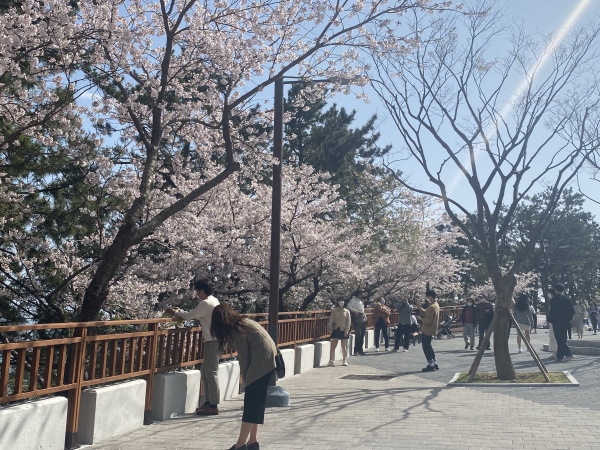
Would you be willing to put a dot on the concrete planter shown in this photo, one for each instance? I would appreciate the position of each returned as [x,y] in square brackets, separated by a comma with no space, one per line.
[321,353]
[229,379]
[39,425]
[289,358]
[175,394]
[111,410]
[305,358]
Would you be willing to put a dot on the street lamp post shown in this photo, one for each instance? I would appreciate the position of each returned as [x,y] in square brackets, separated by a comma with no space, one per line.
[276,396]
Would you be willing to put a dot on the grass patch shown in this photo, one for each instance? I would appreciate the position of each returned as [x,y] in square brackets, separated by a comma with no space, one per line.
[522,377]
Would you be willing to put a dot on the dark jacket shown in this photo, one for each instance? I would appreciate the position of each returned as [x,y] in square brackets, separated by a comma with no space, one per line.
[404,312]
[473,314]
[561,311]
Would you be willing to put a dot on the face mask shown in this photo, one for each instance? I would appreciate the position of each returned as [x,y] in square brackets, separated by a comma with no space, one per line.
[341,304]
[469,303]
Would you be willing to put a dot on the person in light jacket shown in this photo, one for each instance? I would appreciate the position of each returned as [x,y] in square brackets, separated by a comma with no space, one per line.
[430,318]
[339,326]
[359,322]
[523,316]
[211,355]
[256,355]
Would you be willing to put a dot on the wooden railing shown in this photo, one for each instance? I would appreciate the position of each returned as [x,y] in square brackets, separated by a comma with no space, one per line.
[66,357]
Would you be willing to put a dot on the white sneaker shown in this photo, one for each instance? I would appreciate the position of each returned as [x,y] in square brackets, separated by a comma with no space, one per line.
[387,349]
[404,350]
[377,349]
[520,350]
[345,363]
[331,363]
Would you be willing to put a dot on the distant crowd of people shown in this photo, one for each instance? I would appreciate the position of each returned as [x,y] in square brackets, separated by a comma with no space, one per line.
[223,328]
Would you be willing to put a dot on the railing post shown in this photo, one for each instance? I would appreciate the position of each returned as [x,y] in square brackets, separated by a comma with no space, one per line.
[295,330]
[150,377]
[74,396]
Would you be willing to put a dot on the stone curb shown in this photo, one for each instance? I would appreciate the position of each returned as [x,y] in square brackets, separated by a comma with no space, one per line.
[573,383]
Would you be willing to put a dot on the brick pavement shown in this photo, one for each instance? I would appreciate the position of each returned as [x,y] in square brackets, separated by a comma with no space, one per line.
[414,410]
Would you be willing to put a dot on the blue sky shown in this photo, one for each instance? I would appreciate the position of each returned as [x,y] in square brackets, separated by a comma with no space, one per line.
[538,16]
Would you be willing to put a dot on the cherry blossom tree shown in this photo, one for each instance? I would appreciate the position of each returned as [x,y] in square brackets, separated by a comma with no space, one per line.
[174,89]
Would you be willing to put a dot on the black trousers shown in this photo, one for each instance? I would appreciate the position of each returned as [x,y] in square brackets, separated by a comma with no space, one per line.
[403,333]
[379,327]
[427,348]
[255,397]
[594,321]
[359,336]
[560,333]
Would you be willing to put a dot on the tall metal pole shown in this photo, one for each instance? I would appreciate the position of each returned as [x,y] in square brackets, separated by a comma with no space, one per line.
[276,211]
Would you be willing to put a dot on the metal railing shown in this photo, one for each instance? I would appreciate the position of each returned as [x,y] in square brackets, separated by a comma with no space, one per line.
[64,358]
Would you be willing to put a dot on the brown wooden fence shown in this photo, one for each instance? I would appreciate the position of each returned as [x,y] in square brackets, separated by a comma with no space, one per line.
[63,358]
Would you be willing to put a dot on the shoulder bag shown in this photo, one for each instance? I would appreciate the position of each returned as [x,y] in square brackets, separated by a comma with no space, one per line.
[279,365]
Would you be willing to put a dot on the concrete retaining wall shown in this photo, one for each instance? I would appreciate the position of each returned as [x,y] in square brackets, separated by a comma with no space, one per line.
[39,425]
[111,410]
[174,394]
[321,353]
[305,358]
[369,339]
[229,379]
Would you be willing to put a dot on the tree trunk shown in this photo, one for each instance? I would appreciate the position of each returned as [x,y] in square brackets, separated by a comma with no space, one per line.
[504,288]
[97,290]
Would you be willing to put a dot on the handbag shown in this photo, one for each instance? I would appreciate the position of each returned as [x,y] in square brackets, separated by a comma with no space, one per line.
[279,365]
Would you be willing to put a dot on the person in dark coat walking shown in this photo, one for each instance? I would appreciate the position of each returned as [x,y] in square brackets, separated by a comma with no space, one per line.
[560,316]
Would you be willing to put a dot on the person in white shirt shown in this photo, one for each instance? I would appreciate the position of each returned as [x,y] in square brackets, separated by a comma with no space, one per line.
[359,322]
[210,363]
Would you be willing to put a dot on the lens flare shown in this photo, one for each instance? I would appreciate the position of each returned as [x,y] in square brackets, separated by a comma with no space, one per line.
[536,66]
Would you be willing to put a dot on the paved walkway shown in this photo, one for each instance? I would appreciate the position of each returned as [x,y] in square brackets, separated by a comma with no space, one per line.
[414,410]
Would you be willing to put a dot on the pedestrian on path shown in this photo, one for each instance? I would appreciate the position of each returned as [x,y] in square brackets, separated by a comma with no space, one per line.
[404,329]
[552,344]
[430,319]
[381,318]
[561,315]
[484,315]
[468,321]
[359,322]
[256,355]
[523,317]
[534,314]
[594,316]
[578,318]
[210,362]
[339,326]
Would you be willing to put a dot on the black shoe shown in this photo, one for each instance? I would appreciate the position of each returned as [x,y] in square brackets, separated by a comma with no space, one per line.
[466,345]
[427,369]
[253,446]
[362,354]
[478,347]
[488,348]
[435,366]
[471,347]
